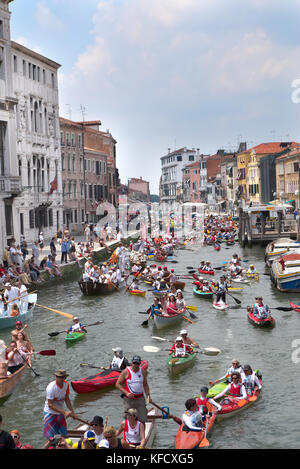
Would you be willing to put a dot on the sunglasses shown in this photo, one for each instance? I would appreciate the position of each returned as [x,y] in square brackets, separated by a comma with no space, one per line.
[15,436]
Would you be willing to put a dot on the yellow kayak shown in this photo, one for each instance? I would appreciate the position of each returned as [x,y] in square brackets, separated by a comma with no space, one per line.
[253,276]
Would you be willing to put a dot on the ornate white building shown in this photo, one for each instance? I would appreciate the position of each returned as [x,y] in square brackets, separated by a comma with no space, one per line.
[30,162]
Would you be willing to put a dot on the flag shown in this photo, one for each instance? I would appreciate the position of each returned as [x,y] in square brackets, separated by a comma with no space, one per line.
[144,232]
[53,185]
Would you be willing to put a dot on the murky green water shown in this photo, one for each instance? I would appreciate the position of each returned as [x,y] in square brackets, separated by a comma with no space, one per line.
[272,422]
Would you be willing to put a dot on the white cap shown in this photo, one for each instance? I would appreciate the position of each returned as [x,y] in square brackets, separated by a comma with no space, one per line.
[179,339]
[183,331]
[75,318]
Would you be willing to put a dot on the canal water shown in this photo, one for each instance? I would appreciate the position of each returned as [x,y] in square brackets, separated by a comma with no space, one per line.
[272,422]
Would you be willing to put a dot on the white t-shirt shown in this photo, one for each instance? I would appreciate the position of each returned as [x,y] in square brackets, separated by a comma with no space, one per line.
[56,394]
[104,443]
[98,438]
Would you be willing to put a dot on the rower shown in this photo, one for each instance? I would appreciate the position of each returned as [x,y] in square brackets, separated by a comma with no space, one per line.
[11,295]
[19,328]
[204,403]
[236,389]
[119,362]
[132,383]
[250,380]
[188,340]
[251,270]
[155,308]
[76,327]
[222,288]
[206,287]
[192,418]
[179,349]
[236,367]
[134,285]
[133,430]
[260,310]
[202,265]
[180,302]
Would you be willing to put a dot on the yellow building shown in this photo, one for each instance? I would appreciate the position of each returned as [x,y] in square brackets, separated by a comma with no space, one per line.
[242,171]
[287,177]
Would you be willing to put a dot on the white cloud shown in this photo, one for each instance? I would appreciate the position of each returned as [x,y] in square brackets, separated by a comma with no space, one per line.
[26,43]
[46,18]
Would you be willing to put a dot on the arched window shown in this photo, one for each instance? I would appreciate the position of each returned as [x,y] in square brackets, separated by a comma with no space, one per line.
[36,117]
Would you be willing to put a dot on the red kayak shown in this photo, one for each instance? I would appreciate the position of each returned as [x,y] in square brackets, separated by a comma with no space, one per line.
[217,248]
[267,322]
[209,272]
[295,307]
[230,405]
[99,381]
[191,439]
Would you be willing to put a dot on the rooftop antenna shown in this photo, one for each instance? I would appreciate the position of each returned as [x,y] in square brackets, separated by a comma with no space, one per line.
[83,112]
[69,111]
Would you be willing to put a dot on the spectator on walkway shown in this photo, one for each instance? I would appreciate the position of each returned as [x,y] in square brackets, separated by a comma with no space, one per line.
[64,251]
[24,248]
[41,242]
[53,247]
[6,257]
[36,252]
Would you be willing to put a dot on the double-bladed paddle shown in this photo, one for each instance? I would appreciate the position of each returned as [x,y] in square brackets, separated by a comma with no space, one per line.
[53,334]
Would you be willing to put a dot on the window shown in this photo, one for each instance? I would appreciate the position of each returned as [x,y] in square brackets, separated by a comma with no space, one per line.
[38,74]
[24,68]
[44,76]
[29,70]
[34,72]
[50,216]
[62,162]
[191,158]
[52,80]
[79,140]
[15,59]
[22,223]
[61,138]
[296,167]
[73,140]
[69,163]
[73,164]
[31,219]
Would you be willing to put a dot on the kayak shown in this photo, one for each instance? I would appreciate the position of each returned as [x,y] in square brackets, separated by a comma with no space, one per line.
[73,337]
[239,280]
[253,276]
[295,307]
[203,294]
[220,307]
[236,289]
[231,406]
[217,248]
[136,292]
[208,272]
[267,322]
[215,389]
[99,381]
[191,439]
[180,363]
[160,293]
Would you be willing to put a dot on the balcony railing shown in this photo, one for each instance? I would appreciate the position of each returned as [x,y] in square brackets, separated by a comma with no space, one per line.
[10,185]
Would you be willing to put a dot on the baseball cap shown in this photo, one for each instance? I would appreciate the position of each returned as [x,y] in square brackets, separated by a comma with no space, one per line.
[204,389]
[183,331]
[136,359]
[117,349]
[90,434]
[97,420]
[246,367]
[179,339]
[19,323]
[75,318]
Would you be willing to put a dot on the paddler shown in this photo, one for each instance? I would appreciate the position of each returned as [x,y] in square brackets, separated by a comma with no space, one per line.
[204,403]
[236,389]
[222,288]
[179,349]
[19,328]
[133,431]
[250,380]
[192,417]
[155,308]
[260,310]
[236,367]
[252,270]
[133,384]
[57,394]
[188,340]
[119,362]
[76,327]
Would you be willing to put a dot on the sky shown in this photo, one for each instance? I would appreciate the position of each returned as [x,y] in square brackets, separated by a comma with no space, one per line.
[165,74]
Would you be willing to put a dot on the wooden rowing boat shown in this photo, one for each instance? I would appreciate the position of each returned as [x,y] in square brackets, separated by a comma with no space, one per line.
[136,292]
[77,433]
[8,384]
[90,288]
[10,321]
[165,320]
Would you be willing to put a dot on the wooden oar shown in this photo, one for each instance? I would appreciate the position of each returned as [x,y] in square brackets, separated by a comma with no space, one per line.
[176,419]
[67,315]
[19,297]
[53,334]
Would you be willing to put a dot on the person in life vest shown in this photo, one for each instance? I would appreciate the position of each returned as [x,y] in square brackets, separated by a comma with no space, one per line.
[119,362]
[133,430]
[133,383]
[236,367]
[204,403]
[250,380]
[222,288]
[155,308]
[76,327]
[252,270]
[192,417]
[15,310]
[236,389]
[260,310]
[179,349]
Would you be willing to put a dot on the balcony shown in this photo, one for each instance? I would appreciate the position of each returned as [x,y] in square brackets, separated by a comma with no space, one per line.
[10,186]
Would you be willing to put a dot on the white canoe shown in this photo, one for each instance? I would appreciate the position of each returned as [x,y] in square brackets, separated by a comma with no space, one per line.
[77,433]
[165,320]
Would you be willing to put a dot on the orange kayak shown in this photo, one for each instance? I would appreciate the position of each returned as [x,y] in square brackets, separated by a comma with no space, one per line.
[136,292]
[191,439]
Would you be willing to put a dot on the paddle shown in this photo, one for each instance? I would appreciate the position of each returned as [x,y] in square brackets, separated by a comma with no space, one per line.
[53,334]
[90,366]
[205,443]
[176,419]
[29,366]
[235,299]
[46,352]
[67,315]
[206,350]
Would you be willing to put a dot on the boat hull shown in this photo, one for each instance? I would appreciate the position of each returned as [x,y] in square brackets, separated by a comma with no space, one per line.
[161,321]
[102,380]
[90,288]
[10,322]
[74,337]
[202,294]
[176,364]
[268,322]
[8,384]
[190,439]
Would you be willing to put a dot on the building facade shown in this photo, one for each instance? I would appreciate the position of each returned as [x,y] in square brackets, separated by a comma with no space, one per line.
[89,173]
[139,187]
[287,177]
[30,169]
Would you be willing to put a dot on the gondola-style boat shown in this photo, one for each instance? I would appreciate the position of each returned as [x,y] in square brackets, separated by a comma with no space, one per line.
[10,321]
[90,288]
[7,384]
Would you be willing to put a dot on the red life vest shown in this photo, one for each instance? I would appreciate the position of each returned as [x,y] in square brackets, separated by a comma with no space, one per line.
[202,401]
[235,391]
